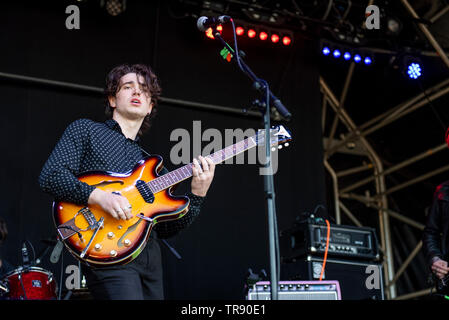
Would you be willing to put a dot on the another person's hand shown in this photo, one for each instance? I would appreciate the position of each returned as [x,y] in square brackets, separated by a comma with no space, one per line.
[440,268]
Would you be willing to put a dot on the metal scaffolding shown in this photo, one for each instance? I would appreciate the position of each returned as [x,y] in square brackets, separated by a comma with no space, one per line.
[356,136]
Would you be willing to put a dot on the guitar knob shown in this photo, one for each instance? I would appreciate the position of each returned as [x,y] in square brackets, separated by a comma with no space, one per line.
[286,144]
[113,253]
[98,247]
[111,235]
[127,242]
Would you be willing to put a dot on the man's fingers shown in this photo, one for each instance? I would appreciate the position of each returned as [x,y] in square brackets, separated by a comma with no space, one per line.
[211,164]
[204,164]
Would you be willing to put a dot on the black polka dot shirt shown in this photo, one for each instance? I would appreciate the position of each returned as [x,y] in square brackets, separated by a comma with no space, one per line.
[87,145]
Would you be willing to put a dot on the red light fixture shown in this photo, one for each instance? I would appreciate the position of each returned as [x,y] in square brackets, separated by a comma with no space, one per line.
[286,40]
[263,36]
[239,31]
[251,33]
[274,38]
[209,31]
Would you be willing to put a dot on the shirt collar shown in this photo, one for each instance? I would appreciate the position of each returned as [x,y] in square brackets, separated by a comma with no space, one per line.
[114,125]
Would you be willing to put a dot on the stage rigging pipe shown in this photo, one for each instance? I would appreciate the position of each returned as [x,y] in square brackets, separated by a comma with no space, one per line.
[394,114]
[92,89]
[380,188]
[335,187]
[397,166]
[427,33]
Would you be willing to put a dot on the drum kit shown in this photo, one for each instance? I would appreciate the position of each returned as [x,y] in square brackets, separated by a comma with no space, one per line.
[28,282]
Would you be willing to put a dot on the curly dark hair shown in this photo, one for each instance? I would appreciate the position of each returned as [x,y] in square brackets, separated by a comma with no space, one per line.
[152,82]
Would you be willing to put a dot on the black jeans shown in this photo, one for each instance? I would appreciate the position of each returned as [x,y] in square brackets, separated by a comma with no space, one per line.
[141,279]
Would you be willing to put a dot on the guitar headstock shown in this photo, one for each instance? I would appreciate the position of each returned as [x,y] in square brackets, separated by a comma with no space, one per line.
[279,136]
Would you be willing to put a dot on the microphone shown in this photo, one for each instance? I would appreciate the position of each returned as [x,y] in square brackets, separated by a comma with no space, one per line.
[280,107]
[203,23]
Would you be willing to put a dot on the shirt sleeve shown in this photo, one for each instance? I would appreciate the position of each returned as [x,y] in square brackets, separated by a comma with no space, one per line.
[58,176]
[169,229]
[432,232]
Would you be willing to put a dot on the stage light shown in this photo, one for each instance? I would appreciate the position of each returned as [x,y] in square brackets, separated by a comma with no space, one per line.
[251,33]
[239,31]
[414,70]
[326,51]
[347,56]
[274,38]
[367,61]
[209,32]
[337,53]
[357,58]
[263,36]
[286,40]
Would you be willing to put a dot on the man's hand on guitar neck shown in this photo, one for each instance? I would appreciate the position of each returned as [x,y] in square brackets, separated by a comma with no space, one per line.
[439,267]
[202,175]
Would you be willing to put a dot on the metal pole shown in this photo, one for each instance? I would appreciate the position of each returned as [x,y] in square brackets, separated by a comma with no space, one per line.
[350,215]
[414,294]
[427,33]
[398,166]
[395,113]
[336,195]
[92,89]
[380,188]
[413,181]
[347,172]
[439,14]
[406,263]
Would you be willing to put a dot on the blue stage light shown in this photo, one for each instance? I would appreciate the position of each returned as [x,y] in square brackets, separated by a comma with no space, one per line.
[414,70]
[357,58]
[368,60]
[337,53]
[326,51]
[347,56]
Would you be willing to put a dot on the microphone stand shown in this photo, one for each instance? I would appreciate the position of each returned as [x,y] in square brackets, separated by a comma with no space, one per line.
[264,107]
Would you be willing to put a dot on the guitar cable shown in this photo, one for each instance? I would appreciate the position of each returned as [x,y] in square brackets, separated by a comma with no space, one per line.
[325,251]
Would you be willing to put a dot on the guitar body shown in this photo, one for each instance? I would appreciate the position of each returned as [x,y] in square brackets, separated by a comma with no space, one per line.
[117,241]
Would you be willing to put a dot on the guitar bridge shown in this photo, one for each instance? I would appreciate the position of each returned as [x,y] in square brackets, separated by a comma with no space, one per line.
[69,228]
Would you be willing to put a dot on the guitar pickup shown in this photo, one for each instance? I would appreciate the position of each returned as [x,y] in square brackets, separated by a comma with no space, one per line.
[145,191]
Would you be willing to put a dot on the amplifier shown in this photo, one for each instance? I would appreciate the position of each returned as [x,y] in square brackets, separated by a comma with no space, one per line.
[296,290]
[359,280]
[309,238]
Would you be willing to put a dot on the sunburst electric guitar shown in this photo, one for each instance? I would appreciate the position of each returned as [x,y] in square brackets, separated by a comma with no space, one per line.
[96,238]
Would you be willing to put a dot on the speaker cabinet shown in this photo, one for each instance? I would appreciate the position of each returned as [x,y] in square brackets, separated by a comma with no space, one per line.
[358,280]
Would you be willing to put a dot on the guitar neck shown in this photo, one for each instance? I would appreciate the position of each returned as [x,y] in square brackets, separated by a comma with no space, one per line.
[174,177]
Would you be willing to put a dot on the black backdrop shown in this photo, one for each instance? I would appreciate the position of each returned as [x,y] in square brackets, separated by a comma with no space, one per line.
[231,233]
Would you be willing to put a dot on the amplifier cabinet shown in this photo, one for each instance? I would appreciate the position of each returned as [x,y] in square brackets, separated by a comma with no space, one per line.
[359,280]
[296,290]
[345,242]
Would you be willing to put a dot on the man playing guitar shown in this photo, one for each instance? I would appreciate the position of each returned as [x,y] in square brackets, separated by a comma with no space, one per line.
[132,93]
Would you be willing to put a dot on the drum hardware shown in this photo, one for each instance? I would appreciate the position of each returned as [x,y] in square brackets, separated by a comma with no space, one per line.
[30,283]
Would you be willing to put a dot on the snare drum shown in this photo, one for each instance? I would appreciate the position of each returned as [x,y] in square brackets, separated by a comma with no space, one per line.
[32,283]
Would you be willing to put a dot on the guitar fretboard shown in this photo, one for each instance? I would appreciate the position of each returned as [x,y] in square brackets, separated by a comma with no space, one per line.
[171,178]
